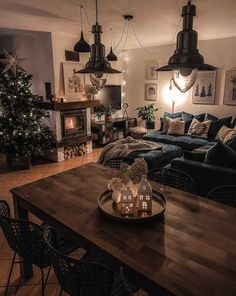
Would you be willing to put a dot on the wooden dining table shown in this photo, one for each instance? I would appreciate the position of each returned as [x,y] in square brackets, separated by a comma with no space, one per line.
[192,251]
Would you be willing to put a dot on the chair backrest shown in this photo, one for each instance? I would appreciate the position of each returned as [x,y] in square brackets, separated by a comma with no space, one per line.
[78,277]
[24,237]
[173,178]
[116,162]
[224,194]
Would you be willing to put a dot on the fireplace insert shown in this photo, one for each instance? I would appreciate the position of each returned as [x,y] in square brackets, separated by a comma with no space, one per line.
[74,124]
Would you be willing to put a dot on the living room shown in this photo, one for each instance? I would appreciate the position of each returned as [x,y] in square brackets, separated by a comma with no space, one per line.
[117,147]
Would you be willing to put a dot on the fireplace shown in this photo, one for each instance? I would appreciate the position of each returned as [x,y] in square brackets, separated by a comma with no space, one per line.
[74,124]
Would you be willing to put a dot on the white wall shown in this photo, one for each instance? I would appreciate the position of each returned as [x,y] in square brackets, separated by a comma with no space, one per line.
[220,53]
[62,42]
[36,48]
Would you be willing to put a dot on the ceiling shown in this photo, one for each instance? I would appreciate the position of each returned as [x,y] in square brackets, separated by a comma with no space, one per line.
[155,21]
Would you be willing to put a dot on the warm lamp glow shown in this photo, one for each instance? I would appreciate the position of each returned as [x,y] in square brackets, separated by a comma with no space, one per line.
[173,96]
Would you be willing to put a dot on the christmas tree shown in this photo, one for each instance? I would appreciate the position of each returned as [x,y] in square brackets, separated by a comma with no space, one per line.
[209,92]
[197,91]
[203,92]
[22,133]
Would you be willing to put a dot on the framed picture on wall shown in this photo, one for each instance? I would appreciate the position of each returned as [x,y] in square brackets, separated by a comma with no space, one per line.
[74,83]
[230,88]
[150,92]
[150,67]
[203,91]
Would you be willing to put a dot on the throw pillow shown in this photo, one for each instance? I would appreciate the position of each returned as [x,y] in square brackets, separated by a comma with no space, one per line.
[210,117]
[217,125]
[221,155]
[161,123]
[187,117]
[200,117]
[232,143]
[230,136]
[176,127]
[166,122]
[198,128]
[222,133]
[234,122]
[173,115]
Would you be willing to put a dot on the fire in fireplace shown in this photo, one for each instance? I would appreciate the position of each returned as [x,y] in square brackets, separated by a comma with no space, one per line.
[74,124]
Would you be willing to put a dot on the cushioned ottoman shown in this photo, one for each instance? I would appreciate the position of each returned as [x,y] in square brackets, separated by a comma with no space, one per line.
[158,158]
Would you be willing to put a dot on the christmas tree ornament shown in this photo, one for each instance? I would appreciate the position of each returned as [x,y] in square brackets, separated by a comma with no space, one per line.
[11,62]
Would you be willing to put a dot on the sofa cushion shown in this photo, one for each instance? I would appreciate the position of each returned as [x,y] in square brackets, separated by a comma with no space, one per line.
[195,155]
[221,155]
[176,127]
[186,142]
[234,122]
[223,132]
[199,128]
[167,121]
[173,115]
[158,158]
[232,143]
[187,117]
[217,125]
[200,117]
[210,117]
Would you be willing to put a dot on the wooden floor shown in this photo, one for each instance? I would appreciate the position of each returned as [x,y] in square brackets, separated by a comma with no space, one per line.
[11,179]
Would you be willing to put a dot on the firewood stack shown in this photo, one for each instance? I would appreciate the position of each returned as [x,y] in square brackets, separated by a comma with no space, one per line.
[75,150]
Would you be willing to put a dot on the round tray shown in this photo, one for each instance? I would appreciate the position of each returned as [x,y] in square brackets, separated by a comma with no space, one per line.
[112,209]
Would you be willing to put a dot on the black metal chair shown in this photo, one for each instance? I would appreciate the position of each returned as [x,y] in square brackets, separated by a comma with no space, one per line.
[116,162]
[84,277]
[173,178]
[26,240]
[224,194]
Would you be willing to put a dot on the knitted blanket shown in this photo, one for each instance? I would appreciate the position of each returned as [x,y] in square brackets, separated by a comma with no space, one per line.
[123,148]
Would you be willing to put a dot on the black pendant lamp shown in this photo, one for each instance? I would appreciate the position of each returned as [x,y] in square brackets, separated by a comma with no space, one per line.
[111,57]
[186,60]
[82,45]
[97,65]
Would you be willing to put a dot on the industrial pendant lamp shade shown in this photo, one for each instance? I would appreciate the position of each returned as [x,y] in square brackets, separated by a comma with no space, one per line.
[111,57]
[186,60]
[82,45]
[98,64]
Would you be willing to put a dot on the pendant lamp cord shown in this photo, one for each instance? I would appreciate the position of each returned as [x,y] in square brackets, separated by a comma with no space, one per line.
[154,52]
[96,11]
[81,15]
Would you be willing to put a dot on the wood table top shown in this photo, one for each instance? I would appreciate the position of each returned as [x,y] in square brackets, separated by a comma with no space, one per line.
[192,252]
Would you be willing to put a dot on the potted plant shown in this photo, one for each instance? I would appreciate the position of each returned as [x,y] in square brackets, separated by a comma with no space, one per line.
[100,111]
[147,113]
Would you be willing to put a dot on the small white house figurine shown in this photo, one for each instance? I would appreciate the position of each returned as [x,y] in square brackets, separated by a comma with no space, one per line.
[144,197]
[127,202]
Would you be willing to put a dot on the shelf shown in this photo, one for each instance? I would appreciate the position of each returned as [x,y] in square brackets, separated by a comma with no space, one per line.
[69,105]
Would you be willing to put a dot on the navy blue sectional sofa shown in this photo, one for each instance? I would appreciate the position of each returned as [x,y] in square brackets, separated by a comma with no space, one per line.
[205,175]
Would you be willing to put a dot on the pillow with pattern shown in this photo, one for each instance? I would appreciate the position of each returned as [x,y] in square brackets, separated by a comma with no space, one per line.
[223,132]
[198,128]
[176,127]
[166,121]
[230,136]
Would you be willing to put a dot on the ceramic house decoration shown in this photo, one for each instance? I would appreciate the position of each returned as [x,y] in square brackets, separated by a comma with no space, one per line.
[127,202]
[144,197]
